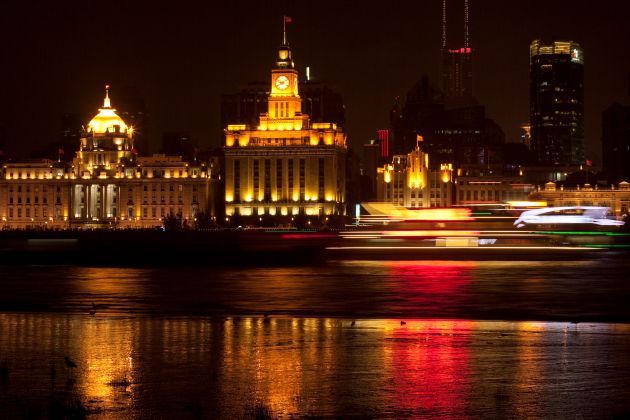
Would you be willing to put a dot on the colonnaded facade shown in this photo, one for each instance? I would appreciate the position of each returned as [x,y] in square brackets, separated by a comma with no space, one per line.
[287,165]
[106,185]
[617,198]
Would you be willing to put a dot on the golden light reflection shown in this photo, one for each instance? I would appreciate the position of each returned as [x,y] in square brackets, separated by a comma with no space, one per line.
[308,366]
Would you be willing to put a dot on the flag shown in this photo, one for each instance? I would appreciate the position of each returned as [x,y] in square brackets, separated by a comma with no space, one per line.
[197,150]
[419,138]
[1,153]
[61,152]
[287,19]
[134,151]
[589,163]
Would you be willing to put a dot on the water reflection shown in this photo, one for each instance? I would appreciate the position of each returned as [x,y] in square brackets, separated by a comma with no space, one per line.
[431,287]
[561,290]
[145,367]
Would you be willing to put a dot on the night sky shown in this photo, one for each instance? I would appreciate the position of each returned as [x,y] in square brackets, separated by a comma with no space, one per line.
[57,57]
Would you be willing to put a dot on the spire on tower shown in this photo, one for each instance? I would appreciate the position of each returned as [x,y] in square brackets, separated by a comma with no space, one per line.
[106,104]
[284,38]
[284,60]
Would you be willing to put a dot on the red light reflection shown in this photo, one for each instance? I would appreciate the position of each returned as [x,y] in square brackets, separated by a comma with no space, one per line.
[432,376]
[431,289]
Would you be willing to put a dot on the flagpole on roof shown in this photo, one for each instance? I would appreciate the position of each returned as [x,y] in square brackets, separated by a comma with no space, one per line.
[284,30]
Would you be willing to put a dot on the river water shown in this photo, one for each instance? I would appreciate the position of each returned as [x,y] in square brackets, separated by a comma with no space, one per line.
[478,340]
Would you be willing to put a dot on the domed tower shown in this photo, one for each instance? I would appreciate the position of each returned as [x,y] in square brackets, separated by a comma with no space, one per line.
[106,141]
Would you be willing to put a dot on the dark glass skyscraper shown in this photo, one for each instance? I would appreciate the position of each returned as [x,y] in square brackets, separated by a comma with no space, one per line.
[557,102]
[457,77]
[616,142]
[457,68]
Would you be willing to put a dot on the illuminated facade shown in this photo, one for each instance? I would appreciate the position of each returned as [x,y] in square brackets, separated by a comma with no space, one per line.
[617,199]
[526,138]
[409,182]
[318,101]
[557,102]
[105,185]
[487,186]
[287,165]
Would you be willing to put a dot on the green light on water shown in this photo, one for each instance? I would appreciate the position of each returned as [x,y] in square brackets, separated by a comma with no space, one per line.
[584,233]
[606,246]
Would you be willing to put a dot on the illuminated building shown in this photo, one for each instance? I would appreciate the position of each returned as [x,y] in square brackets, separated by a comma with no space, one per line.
[557,102]
[409,182]
[616,142]
[617,198]
[319,102]
[105,185]
[383,140]
[526,138]
[287,164]
[485,186]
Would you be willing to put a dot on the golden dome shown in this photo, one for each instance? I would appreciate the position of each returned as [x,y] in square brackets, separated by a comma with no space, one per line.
[107,119]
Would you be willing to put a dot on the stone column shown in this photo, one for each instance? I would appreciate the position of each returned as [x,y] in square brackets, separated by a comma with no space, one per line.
[102,206]
[88,201]
[72,204]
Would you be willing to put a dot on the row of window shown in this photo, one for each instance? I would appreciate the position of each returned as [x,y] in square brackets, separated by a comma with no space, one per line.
[480,195]
[162,187]
[27,188]
[34,212]
[162,172]
[163,211]
[180,200]
[35,200]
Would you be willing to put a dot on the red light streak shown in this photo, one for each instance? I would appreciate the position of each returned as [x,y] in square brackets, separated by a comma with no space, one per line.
[306,236]
[431,233]
[436,214]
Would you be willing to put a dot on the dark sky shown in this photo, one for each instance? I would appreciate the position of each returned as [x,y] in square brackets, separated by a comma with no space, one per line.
[57,56]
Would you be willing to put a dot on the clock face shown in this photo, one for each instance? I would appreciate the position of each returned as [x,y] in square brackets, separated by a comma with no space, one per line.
[282,82]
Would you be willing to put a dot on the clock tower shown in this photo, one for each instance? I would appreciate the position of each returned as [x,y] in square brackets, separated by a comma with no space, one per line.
[284,102]
[287,165]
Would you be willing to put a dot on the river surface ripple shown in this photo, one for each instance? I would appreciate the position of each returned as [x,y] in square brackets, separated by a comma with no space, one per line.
[477,340]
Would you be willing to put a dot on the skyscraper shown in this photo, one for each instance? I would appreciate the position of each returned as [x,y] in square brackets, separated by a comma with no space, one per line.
[616,142]
[557,102]
[457,68]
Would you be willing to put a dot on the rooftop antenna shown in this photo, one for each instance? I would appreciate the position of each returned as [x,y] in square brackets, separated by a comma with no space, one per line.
[444,24]
[465,23]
